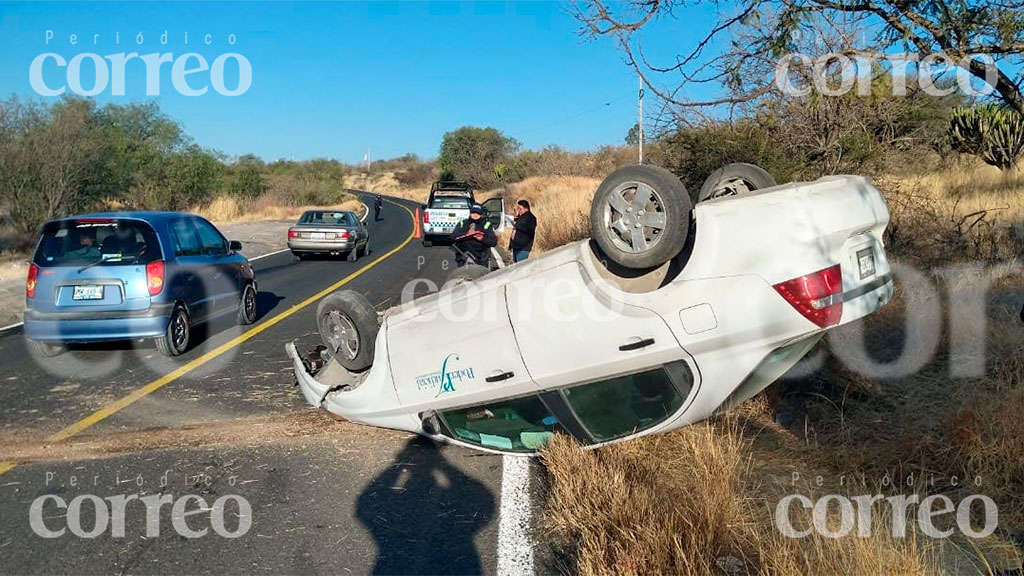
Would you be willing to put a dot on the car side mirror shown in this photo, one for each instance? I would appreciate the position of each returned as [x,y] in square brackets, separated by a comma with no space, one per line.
[235,246]
[430,423]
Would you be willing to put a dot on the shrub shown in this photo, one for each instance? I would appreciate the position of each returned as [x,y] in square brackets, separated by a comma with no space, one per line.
[993,133]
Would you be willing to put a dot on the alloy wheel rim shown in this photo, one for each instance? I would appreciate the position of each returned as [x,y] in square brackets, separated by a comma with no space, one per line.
[635,214]
[341,332]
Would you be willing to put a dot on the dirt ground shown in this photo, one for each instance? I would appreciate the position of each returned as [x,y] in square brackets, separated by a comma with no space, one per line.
[257,238]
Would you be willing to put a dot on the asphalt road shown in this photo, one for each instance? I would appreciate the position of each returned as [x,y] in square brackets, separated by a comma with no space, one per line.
[225,421]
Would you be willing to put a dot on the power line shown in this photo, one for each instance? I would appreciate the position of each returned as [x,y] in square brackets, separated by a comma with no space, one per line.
[579,114]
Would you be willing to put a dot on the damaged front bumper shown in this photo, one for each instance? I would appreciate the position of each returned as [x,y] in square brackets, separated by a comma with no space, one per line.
[313,391]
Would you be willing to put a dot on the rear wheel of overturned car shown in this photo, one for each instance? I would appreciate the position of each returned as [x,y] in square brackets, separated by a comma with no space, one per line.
[735,179]
[640,217]
[247,305]
[348,327]
[174,342]
[467,273]
[43,349]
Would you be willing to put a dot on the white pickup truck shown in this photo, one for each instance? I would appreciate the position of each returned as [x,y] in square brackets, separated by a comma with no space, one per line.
[671,313]
[447,210]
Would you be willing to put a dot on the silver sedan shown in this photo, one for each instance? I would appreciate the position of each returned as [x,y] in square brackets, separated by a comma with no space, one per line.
[329,232]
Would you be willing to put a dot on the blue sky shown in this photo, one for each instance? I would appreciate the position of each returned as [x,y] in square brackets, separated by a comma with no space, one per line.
[332,79]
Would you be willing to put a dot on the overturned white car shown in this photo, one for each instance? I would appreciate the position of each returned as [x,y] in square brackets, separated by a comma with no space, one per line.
[670,314]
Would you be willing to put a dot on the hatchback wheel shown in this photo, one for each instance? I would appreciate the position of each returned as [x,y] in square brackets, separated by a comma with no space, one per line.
[247,306]
[174,342]
[348,327]
[44,349]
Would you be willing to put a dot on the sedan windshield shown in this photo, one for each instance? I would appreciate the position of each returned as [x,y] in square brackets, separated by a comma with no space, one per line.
[96,241]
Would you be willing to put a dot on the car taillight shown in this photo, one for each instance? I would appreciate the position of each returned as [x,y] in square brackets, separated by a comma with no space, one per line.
[155,277]
[30,283]
[293,233]
[426,217]
[344,235]
[817,296]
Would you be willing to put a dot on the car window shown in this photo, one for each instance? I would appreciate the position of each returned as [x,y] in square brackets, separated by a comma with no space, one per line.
[519,424]
[103,241]
[210,239]
[625,405]
[450,203]
[185,238]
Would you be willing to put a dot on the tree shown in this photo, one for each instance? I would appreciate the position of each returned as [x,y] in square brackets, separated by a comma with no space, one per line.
[473,154]
[633,136]
[248,183]
[760,32]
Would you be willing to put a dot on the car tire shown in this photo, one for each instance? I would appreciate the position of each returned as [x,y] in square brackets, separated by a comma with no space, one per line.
[467,273]
[247,310]
[176,338]
[299,255]
[427,243]
[44,349]
[364,249]
[734,179]
[616,216]
[348,327]
[352,255]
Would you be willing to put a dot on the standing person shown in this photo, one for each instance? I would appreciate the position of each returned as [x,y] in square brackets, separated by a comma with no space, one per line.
[524,229]
[475,236]
[378,203]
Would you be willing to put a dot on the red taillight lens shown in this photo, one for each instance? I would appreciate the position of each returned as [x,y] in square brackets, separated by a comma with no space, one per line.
[344,235]
[818,296]
[30,283]
[293,233]
[155,277]
[426,217]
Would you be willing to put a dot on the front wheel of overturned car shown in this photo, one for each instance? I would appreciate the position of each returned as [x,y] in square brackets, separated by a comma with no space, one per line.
[735,179]
[640,217]
[348,327]
[43,349]
[247,306]
[174,342]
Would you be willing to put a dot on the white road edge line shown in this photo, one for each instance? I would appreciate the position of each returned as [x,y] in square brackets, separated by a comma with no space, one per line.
[267,254]
[515,549]
[11,326]
[497,258]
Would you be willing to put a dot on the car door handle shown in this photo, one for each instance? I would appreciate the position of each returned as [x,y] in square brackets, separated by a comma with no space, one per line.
[636,344]
[499,376]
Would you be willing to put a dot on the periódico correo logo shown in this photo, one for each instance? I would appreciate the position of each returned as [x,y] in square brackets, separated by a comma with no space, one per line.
[92,74]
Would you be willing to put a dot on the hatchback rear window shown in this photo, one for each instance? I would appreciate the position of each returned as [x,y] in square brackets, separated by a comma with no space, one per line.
[97,241]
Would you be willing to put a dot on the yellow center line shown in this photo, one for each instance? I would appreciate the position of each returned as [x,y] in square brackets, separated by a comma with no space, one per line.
[120,404]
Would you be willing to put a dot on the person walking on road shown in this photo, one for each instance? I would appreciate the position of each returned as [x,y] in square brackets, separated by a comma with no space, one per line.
[523,231]
[474,237]
[378,203]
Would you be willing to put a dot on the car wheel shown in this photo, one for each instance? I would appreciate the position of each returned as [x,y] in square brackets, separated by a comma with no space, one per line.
[352,255]
[427,243]
[348,327]
[467,273]
[299,255]
[174,342]
[364,249]
[734,179]
[44,349]
[640,217]
[247,306]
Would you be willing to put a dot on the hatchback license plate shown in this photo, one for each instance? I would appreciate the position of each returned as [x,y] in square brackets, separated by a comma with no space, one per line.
[866,263]
[318,235]
[88,293]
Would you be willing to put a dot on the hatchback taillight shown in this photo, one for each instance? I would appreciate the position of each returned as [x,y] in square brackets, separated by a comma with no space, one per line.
[818,296]
[293,234]
[30,283]
[155,277]
[344,235]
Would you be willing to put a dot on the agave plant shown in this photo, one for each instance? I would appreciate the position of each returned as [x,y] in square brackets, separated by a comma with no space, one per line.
[991,132]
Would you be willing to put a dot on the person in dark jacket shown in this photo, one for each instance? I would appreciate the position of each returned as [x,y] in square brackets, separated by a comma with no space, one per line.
[475,236]
[524,229]
[378,203]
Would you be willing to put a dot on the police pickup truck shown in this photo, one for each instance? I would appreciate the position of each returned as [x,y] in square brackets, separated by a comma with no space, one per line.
[449,204]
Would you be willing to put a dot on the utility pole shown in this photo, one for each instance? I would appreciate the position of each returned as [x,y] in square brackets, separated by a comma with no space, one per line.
[640,117]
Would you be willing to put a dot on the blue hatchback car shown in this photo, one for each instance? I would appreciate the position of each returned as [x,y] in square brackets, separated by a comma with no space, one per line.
[129,275]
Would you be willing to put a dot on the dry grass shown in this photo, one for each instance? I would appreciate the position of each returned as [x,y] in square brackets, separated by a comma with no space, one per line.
[680,503]
[227,209]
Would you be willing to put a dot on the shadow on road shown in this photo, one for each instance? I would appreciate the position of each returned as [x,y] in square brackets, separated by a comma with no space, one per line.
[423,514]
